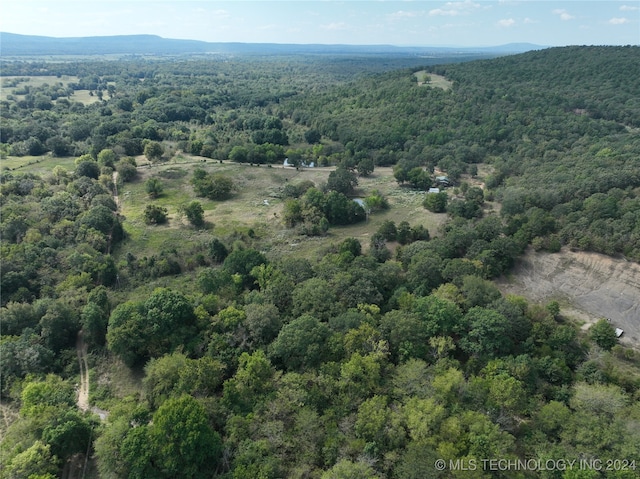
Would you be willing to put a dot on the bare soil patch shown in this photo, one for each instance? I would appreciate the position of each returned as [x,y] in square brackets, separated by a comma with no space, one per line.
[83,390]
[588,286]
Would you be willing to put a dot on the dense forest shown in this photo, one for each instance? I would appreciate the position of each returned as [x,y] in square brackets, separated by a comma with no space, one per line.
[212,352]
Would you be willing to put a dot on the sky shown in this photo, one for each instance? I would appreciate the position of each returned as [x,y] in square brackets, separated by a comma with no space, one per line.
[356,22]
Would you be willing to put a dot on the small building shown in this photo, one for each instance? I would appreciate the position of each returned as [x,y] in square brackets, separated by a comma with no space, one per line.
[619,332]
[433,190]
[443,180]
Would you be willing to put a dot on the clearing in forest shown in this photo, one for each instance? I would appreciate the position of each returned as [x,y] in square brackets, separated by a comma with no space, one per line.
[257,203]
[19,86]
[431,79]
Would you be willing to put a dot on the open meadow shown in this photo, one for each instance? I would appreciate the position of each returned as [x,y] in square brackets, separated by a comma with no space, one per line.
[19,86]
[256,204]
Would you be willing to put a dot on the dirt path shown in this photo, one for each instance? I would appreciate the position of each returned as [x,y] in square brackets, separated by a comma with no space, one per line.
[589,286]
[8,415]
[116,198]
[83,391]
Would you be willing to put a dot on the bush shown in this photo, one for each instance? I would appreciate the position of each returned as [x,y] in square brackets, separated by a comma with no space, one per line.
[155,215]
[153,187]
[215,187]
[218,251]
[194,213]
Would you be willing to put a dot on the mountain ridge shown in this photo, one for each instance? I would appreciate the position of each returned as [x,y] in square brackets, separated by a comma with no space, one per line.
[12,44]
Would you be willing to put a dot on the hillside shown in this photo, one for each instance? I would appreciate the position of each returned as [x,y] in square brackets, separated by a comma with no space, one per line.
[589,286]
[178,303]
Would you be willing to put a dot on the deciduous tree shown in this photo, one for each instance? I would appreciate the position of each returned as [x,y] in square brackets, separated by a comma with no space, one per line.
[301,343]
[182,441]
[153,151]
[342,180]
[603,334]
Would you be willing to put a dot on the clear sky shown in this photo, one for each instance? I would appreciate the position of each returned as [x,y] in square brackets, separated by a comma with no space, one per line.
[361,22]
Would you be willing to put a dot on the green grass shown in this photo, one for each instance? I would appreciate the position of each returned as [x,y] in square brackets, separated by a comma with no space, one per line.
[81,96]
[246,209]
[431,79]
[39,165]
[34,81]
[84,97]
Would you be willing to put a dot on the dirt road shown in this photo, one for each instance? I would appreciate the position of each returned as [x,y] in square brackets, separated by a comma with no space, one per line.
[83,391]
[116,198]
[589,286]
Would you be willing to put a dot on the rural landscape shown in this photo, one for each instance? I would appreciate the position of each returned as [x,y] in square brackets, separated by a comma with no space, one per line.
[320,264]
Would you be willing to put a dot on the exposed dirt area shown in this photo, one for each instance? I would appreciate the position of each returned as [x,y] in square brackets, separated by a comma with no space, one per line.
[116,199]
[83,388]
[8,414]
[588,286]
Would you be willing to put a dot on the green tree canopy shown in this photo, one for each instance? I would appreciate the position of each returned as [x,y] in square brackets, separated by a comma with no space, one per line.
[342,180]
[153,150]
[139,331]
[242,262]
[301,343]
[603,334]
[182,440]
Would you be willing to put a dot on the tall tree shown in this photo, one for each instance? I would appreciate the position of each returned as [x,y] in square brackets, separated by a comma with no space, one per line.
[342,180]
[153,151]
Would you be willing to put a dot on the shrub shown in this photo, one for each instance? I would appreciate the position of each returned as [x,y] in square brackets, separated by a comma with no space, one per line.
[155,215]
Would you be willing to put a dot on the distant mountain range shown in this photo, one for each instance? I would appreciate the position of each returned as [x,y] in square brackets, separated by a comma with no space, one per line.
[12,45]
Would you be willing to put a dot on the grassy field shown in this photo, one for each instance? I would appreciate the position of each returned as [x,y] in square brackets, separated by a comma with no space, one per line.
[12,83]
[84,97]
[256,204]
[8,87]
[431,79]
[39,165]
